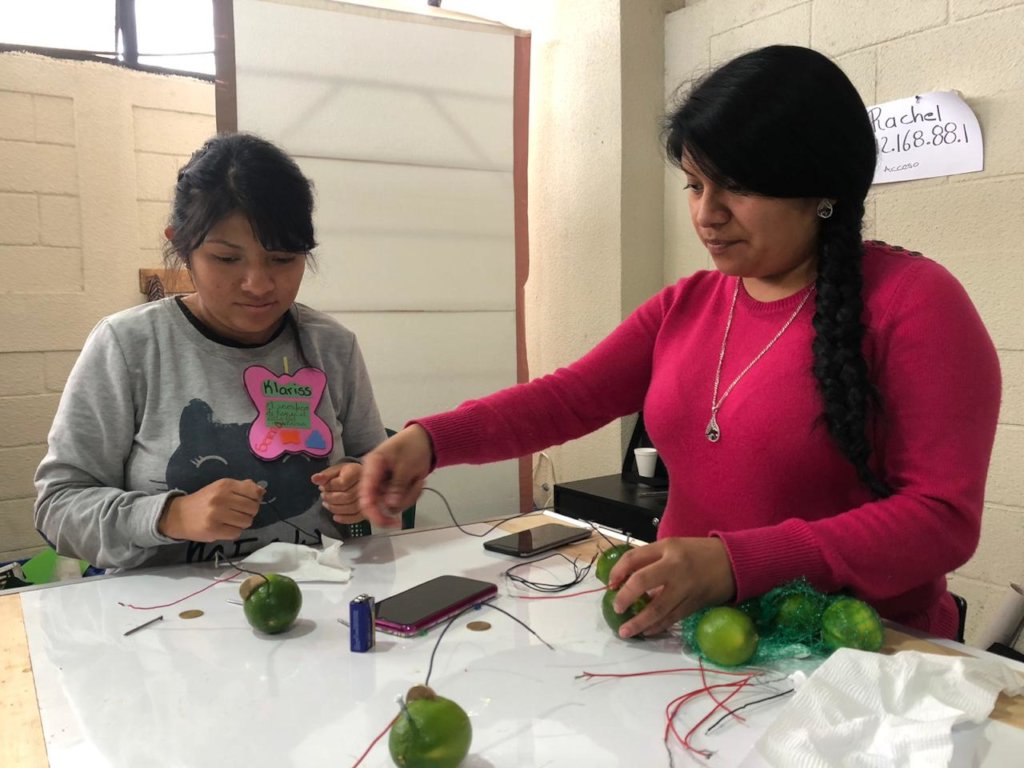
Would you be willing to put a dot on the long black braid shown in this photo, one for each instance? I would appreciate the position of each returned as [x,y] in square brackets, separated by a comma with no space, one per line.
[839,365]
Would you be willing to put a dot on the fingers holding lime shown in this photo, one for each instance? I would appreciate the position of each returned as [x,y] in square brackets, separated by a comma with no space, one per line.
[616,620]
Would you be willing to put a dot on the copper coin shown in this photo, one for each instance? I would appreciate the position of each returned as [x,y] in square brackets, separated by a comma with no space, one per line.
[478,626]
[194,613]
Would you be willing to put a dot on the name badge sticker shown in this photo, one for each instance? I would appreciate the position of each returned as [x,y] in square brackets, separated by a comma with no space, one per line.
[286,420]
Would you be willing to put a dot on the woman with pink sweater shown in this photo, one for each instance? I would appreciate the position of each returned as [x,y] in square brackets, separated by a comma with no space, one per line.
[825,406]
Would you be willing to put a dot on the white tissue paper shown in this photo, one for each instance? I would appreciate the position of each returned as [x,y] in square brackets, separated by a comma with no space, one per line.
[867,710]
[300,562]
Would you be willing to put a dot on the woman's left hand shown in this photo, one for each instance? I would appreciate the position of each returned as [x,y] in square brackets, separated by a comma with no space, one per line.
[339,491]
[681,576]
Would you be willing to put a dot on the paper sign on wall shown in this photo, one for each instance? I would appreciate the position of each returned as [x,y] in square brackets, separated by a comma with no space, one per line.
[923,136]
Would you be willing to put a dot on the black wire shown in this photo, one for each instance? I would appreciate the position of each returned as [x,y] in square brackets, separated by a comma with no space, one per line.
[221,556]
[437,643]
[748,704]
[293,525]
[579,574]
[470,533]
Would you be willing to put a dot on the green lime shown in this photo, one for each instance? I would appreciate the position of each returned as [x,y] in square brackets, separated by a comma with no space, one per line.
[616,620]
[607,560]
[270,602]
[431,732]
[726,636]
[799,614]
[852,623]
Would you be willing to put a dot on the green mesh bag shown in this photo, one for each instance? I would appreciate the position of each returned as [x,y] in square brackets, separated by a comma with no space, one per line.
[791,623]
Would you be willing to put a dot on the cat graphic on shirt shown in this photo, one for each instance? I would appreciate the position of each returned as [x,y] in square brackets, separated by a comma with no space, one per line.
[210,450]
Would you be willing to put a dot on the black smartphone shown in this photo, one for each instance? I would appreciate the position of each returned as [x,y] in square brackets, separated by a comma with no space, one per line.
[418,608]
[536,540]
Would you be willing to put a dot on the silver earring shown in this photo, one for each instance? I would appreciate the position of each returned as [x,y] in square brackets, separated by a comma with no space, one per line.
[825,209]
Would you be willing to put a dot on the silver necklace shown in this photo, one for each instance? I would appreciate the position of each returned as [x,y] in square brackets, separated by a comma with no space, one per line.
[714,432]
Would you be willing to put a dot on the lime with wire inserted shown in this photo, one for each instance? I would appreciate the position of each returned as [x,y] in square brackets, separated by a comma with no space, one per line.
[607,560]
[271,602]
[431,731]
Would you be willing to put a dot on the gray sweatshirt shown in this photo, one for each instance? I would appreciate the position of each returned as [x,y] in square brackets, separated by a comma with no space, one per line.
[154,407]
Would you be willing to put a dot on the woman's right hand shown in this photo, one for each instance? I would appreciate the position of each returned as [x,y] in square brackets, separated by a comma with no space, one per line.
[220,511]
[393,476]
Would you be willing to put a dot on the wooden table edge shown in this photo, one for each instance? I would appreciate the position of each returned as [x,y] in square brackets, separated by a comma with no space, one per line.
[21,731]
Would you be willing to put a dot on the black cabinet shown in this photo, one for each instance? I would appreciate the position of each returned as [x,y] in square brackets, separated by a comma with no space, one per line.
[614,502]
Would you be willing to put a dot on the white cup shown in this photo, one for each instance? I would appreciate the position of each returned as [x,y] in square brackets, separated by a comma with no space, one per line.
[646,461]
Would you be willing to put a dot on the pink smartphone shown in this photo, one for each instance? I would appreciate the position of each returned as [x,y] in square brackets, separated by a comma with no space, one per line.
[421,607]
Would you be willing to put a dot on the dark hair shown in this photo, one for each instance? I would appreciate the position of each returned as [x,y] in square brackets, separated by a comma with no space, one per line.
[785,121]
[241,173]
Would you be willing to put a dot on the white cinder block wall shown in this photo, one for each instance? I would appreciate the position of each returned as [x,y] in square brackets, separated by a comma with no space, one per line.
[970,223]
[88,157]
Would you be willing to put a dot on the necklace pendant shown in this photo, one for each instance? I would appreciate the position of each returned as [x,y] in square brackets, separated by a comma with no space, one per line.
[713,433]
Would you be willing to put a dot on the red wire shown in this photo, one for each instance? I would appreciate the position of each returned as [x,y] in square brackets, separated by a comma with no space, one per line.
[558,597]
[739,685]
[374,742]
[704,679]
[662,672]
[180,599]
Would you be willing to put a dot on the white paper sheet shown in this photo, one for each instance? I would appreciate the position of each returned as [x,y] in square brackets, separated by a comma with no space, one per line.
[927,135]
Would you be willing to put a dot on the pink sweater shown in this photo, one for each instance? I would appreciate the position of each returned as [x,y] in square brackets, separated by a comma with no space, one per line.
[775,488]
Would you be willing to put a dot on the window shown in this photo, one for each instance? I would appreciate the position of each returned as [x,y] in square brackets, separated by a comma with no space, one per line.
[168,35]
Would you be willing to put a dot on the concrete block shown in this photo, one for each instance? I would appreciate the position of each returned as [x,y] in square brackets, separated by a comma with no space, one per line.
[44,168]
[152,223]
[860,66]
[19,467]
[56,368]
[965,9]
[19,219]
[44,269]
[172,133]
[60,220]
[55,119]
[870,219]
[687,44]
[948,218]
[998,553]
[21,373]
[16,117]
[729,14]
[992,278]
[999,115]
[1011,362]
[26,419]
[789,27]
[18,533]
[156,175]
[1005,480]
[976,57]
[846,25]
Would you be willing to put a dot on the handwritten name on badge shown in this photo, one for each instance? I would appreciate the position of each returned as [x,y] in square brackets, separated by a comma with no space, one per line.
[924,136]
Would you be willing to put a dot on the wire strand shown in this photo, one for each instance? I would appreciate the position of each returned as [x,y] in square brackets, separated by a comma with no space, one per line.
[437,643]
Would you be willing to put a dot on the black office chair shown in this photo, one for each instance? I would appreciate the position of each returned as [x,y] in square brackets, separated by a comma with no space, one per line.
[961,606]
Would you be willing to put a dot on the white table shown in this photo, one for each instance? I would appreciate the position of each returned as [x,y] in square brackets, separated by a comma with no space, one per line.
[212,692]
